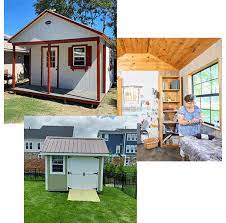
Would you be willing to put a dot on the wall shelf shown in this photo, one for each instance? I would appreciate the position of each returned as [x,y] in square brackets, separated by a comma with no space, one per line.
[170,88]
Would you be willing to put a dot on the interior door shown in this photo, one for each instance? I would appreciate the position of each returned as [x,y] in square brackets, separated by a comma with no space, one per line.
[83,172]
[53,66]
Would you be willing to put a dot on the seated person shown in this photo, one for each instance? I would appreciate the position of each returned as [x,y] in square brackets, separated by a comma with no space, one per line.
[189,118]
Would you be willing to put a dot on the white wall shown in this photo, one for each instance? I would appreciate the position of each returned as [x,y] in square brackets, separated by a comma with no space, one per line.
[58,29]
[34,145]
[82,81]
[212,53]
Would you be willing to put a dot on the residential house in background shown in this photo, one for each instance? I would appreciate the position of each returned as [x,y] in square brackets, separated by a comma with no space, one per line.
[121,142]
[22,66]
[34,138]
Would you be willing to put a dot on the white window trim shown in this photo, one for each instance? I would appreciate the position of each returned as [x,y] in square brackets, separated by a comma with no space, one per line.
[132,137]
[30,145]
[80,56]
[51,167]
[106,139]
[39,146]
[27,145]
[118,148]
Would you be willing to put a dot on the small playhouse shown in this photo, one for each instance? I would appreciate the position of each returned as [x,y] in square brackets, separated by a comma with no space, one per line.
[74,163]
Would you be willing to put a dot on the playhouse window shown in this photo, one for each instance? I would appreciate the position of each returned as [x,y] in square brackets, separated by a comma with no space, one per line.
[57,165]
[205,86]
[79,56]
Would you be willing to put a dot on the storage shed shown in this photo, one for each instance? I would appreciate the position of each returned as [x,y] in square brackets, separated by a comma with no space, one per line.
[74,163]
[69,60]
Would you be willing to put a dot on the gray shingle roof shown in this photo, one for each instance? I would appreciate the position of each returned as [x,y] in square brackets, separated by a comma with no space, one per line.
[118,131]
[44,131]
[74,145]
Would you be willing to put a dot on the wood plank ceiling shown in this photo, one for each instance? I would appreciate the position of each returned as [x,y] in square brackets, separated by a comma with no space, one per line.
[176,52]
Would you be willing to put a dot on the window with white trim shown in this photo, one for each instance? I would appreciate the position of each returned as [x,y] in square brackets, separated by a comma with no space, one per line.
[105,137]
[30,145]
[131,148]
[57,165]
[79,56]
[39,145]
[27,145]
[117,149]
[131,137]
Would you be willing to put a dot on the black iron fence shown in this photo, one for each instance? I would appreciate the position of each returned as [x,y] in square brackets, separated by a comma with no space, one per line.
[34,174]
[127,182]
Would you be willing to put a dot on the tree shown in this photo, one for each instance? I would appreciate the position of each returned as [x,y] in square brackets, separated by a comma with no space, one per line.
[88,12]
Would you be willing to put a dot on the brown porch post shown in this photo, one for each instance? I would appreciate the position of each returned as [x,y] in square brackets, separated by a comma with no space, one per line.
[14,68]
[98,69]
[49,74]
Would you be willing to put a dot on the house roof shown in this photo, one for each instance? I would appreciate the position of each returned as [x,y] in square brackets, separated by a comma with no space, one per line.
[74,145]
[9,48]
[44,131]
[65,18]
[118,131]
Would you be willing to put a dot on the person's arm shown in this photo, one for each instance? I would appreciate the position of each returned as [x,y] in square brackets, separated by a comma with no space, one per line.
[183,121]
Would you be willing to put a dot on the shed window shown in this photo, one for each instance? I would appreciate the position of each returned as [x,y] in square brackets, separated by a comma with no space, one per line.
[205,86]
[30,145]
[79,56]
[27,145]
[57,165]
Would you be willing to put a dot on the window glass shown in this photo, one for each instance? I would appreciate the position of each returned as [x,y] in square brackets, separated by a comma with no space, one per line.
[79,56]
[206,89]
[57,164]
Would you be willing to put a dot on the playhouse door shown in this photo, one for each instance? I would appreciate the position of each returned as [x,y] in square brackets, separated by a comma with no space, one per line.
[83,172]
[53,66]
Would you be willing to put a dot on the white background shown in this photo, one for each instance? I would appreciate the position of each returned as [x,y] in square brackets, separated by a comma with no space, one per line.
[167,191]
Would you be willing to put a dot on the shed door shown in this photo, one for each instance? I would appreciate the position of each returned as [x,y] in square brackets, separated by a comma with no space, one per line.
[53,66]
[83,172]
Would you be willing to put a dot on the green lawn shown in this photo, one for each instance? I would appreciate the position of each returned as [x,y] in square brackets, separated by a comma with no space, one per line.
[52,207]
[17,106]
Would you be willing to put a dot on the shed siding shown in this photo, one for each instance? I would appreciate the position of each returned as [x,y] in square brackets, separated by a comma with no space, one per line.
[36,65]
[80,80]
[57,182]
[58,29]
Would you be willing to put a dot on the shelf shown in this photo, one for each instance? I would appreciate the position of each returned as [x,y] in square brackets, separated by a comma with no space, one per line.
[172,90]
[169,122]
[170,111]
[171,102]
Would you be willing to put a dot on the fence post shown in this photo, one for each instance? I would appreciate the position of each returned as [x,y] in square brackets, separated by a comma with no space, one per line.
[123,176]
[35,174]
[104,178]
[114,175]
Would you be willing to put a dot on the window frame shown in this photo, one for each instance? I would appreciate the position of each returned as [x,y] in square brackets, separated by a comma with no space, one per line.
[39,145]
[118,147]
[208,95]
[27,145]
[51,166]
[30,145]
[73,59]
[105,138]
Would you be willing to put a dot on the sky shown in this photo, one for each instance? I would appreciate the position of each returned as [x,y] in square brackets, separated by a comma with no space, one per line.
[85,126]
[18,13]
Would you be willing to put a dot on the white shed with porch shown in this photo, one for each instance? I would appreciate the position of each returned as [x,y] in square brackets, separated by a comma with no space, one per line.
[69,60]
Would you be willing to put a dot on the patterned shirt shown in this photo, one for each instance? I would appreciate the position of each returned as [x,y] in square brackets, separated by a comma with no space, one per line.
[190,129]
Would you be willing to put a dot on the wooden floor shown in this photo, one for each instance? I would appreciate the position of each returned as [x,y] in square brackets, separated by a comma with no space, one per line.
[56,93]
[157,154]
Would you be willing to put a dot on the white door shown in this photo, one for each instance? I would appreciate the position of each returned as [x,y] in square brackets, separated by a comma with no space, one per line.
[83,172]
[53,66]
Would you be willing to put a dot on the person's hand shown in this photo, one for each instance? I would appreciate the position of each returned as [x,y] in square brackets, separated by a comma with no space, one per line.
[195,120]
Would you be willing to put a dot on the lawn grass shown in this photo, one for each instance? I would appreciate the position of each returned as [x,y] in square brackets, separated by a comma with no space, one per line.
[52,207]
[17,106]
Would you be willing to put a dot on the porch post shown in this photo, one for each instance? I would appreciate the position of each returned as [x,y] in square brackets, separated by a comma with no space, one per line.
[49,74]
[104,68]
[98,69]
[14,68]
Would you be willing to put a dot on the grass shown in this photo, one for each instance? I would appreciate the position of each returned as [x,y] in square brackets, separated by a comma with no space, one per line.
[17,106]
[130,190]
[42,206]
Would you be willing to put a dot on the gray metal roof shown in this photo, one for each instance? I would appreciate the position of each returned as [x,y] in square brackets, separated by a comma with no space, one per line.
[74,145]
[117,131]
[44,131]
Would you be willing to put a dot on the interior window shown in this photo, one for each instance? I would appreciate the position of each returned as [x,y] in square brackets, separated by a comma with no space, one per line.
[79,56]
[205,85]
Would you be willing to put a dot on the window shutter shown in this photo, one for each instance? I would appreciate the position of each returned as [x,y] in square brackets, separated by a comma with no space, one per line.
[70,57]
[88,56]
